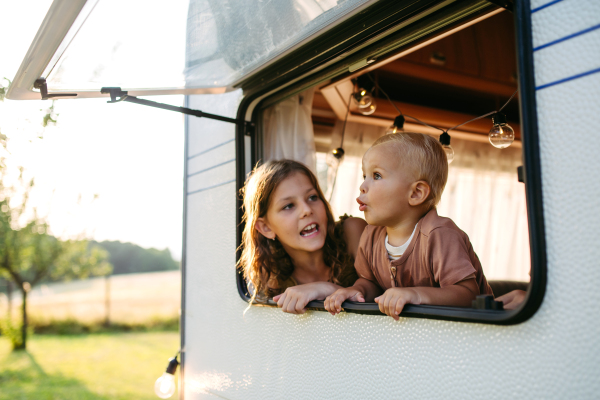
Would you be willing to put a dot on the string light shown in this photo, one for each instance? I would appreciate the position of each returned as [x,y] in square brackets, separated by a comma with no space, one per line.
[164,387]
[501,135]
[445,141]
[397,126]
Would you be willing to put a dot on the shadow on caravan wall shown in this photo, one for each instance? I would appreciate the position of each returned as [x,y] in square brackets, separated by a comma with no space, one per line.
[469,85]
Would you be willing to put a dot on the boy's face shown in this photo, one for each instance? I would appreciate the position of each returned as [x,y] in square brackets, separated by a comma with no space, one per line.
[386,189]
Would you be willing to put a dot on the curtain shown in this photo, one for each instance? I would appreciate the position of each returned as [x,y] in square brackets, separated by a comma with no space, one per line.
[288,130]
[482,196]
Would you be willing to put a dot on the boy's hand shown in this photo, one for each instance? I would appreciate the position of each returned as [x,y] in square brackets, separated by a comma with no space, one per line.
[333,303]
[295,298]
[394,299]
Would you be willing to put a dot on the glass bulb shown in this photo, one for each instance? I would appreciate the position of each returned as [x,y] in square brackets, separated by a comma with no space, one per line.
[165,386]
[449,152]
[362,98]
[393,129]
[365,101]
[501,136]
[369,110]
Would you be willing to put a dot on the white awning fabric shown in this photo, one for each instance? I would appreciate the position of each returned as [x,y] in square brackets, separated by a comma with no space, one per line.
[174,47]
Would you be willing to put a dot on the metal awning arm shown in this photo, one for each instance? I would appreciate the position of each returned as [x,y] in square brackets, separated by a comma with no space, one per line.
[117,95]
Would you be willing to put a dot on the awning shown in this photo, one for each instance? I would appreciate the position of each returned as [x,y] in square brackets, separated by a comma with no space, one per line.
[175,47]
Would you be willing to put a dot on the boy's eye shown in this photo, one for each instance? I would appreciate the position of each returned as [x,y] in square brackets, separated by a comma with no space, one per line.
[376,176]
[364,177]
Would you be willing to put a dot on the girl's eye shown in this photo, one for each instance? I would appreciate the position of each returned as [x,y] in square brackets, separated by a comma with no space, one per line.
[313,197]
[376,176]
[364,177]
[288,206]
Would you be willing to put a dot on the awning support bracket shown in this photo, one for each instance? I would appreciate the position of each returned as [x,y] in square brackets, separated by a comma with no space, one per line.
[40,83]
[117,95]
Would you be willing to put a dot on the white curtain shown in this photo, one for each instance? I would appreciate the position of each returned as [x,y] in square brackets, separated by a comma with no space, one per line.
[288,130]
[482,196]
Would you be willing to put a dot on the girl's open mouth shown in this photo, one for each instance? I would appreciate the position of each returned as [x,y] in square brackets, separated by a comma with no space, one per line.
[310,230]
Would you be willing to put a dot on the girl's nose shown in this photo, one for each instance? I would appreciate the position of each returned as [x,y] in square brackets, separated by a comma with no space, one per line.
[305,210]
[363,187]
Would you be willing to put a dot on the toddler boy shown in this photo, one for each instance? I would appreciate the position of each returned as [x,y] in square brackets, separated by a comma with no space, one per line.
[407,251]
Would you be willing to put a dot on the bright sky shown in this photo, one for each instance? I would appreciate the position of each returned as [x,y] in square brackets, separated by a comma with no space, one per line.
[131,156]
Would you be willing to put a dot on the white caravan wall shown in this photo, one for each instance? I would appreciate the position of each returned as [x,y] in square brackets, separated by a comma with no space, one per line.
[267,354]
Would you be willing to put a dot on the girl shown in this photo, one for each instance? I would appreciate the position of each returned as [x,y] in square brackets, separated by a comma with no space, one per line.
[292,248]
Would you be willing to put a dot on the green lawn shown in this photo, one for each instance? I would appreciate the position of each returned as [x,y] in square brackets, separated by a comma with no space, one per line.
[95,366]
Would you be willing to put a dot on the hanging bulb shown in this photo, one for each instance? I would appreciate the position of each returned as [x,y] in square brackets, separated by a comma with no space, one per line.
[362,98]
[445,141]
[338,153]
[449,152]
[334,157]
[397,126]
[165,385]
[501,135]
[369,110]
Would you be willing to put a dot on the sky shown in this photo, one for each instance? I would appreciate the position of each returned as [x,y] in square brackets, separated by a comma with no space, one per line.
[105,171]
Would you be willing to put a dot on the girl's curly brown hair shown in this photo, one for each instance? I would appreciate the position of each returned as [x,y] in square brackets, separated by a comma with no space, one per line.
[265,263]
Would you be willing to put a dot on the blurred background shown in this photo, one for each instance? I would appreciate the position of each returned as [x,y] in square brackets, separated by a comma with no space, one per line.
[90,215]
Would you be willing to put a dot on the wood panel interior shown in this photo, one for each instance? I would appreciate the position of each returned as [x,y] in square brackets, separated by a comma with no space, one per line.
[450,81]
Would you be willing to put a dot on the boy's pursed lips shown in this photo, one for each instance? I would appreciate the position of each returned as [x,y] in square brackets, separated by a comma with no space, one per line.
[361,205]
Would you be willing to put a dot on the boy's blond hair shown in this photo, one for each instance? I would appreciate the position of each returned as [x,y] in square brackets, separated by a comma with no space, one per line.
[425,157]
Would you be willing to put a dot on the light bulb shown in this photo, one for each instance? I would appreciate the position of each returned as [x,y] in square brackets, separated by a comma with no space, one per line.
[397,126]
[362,99]
[165,386]
[338,153]
[445,142]
[449,152]
[501,135]
[369,110]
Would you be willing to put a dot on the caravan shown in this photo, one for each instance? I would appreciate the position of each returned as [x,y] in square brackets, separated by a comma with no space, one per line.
[288,79]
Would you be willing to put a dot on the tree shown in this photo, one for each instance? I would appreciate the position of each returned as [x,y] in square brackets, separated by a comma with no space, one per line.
[29,254]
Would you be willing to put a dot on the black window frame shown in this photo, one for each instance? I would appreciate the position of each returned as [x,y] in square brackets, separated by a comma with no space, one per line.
[380,17]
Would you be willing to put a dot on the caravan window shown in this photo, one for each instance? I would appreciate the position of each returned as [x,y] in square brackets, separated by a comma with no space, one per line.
[439,83]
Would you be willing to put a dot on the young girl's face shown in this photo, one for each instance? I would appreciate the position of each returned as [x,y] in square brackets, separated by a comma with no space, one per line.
[296,216]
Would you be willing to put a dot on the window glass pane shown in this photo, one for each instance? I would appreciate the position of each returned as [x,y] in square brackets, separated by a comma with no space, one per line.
[186,43]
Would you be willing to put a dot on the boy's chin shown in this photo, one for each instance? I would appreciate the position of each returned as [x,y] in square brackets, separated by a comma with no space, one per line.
[373,221]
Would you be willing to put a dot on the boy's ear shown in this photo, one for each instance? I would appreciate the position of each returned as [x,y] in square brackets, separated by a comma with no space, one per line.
[419,193]
[263,228]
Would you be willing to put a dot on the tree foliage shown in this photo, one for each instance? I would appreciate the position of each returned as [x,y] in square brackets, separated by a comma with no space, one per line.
[129,258]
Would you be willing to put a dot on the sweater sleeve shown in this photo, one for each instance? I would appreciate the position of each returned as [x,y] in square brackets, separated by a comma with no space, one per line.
[449,257]
[364,256]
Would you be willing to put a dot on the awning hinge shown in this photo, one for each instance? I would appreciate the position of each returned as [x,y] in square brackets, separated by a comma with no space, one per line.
[117,95]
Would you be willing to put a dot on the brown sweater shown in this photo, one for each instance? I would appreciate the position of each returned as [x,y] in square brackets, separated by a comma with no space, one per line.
[439,255]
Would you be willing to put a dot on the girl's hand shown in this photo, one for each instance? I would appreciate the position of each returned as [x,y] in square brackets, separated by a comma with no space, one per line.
[394,299]
[295,298]
[333,303]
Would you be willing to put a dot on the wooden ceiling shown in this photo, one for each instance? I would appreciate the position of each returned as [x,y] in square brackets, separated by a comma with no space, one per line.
[454,79]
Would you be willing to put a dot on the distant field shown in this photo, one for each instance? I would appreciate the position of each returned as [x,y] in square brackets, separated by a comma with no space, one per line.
[86,367]
[134,298]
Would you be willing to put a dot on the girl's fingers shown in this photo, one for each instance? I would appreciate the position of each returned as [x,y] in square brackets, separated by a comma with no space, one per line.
[300,304]
[276,298]
[290,306]
[281,300]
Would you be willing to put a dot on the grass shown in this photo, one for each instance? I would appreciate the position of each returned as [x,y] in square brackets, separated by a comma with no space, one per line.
[82,367]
